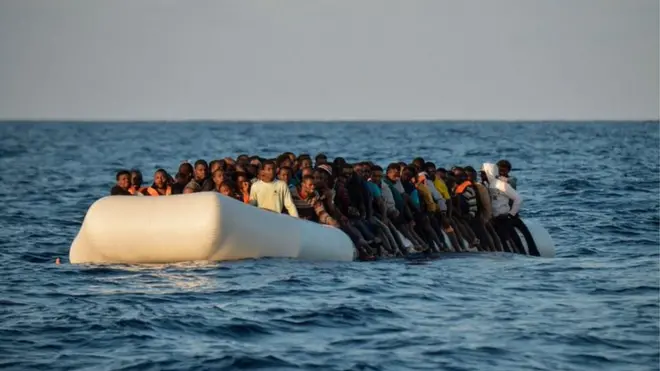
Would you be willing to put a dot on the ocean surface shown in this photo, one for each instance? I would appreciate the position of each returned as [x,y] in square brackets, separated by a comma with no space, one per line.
[594,186]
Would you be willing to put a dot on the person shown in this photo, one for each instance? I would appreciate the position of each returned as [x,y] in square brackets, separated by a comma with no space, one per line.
[309,205]
[467,208]
[136,183]
[504,173]
[271,194]
[227,188]
[182,178]
[402,218]
[123,178]
[422,203]
[243,186]
[285,175]
[320,159]
[200,181]
[159,186]
[501,193]
[218,177]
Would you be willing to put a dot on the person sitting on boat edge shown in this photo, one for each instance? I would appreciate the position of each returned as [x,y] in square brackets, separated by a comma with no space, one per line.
[182,178]
[123,185]
[501,193]
[271,194]
[159,186]
[308,204]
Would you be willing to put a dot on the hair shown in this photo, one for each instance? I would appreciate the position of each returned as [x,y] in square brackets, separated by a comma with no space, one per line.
[412,169]
[218,171]
[252,158]
[441,169]
[201,162]
[376,168]
[504,163]
[393,166]
[162,171]
[242,156]
[429,164]
[187,166]
[241,173]
[281,158]
[268,162]
[214,162]
[284,168]
[321,155]
[469,169]
[419,160]
[307,177]
[122,172]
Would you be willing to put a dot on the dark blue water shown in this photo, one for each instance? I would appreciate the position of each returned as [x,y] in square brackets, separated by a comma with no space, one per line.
[595,187]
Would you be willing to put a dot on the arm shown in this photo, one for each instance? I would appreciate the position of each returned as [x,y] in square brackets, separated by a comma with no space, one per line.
[288,201]
[324,217]
[513,195]
[253,195]
[426,195]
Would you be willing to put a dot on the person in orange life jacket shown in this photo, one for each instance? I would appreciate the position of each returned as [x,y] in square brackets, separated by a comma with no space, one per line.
[308,204]
[464,206]
[123,185]
[159,186]
[478,223]
[243,186]
[183,177]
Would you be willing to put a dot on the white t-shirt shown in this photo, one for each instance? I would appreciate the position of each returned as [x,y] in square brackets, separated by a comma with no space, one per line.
[272,196]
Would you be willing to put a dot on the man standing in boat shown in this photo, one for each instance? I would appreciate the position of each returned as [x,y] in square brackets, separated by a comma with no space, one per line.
[272,194]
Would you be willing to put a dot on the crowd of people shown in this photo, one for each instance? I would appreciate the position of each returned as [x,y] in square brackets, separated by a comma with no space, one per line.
[394,211]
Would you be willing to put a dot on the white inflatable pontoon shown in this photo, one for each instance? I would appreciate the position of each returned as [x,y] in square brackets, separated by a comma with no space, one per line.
[196,227]
[206,226]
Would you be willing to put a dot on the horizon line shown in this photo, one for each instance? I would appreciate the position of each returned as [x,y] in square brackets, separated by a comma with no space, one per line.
[321,121]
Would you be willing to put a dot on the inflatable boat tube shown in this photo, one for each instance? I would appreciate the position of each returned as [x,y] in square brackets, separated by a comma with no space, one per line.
[542,239]
[203,226]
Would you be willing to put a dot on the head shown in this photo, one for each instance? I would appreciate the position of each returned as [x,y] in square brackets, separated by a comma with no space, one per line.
[377,174]
[161,178]
[429,168]
[503,168]
[243,183]
[418,163]
[123,178]
[320,159]
[267,173]
[307,185]
[284,174]
[226,188]
[323,176]
[253,170]
[218,177]
[215,165]
[441,173]
[393,174]
[136,178]
[255,160]
[201,170]
[471,173]
[242,160]
[185,173]
[460,175]
[305,162]
[408,174]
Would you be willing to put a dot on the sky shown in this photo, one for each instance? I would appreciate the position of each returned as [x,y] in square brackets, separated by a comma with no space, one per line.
[330,59]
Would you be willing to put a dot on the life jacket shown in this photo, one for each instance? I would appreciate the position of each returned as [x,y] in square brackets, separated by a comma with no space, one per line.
[246,198]
[467,196]
[153,192]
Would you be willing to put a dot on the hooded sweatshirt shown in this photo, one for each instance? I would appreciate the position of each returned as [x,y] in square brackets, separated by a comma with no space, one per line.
[501,192]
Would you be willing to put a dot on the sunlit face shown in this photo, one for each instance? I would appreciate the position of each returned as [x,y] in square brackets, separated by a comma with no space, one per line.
[243,184]
[284,175]
[308,186]
[218,178]
[200,172]
[160,181]
[305,163]
[307,171]
[124,181]
[286,163]
[225,190]
[393,175]
[215,166]
[268,173]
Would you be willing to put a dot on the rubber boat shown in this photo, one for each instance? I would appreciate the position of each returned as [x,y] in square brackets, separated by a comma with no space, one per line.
[207,226]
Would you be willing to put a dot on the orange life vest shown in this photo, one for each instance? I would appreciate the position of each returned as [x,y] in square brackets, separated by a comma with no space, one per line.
[153,192]
[461,188]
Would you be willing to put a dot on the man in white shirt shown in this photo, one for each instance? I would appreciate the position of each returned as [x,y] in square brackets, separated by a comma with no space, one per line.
[271,194]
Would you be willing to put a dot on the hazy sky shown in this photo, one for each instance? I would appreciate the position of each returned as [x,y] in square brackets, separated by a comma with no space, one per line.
[335,59]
